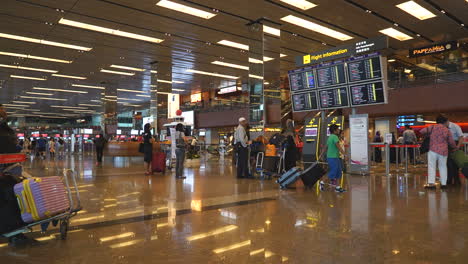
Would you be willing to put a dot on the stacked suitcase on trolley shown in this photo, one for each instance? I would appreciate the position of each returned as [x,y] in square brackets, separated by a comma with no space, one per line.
[29,201]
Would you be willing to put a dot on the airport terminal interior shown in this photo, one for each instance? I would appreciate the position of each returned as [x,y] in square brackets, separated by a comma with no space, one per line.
[234,131]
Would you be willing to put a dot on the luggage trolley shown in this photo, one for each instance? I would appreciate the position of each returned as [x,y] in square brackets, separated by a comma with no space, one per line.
[63,219]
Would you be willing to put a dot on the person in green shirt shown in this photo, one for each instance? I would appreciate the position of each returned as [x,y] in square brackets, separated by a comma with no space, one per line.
[333,149]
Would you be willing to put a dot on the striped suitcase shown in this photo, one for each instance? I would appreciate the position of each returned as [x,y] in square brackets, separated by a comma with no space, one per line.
[41,198]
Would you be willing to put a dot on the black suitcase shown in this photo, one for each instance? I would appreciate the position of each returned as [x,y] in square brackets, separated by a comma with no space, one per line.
[9,210]
[270,164]
[312,174]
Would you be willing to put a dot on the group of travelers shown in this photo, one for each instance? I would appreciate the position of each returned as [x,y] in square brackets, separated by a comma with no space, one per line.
[445,137]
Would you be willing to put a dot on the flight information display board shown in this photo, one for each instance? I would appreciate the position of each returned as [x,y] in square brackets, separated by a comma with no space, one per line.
[302,81]
[334,98]
[332,75]
[367,93]
[363,70]
[356,81]
[304,101]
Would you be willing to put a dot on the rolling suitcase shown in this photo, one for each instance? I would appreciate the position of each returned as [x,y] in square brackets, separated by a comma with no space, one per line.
[312,174]
[289,177]
[40,198]
[158,163]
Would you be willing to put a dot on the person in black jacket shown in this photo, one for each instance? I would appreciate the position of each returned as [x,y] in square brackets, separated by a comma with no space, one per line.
[292,153]
[99,143]
[9,210]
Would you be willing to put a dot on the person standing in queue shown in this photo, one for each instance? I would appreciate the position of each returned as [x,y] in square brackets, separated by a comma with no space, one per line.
[453,177]
[181,142]
[148,148]
[409,138]
[241,144]
[99,143]
[441,140]
[41,146]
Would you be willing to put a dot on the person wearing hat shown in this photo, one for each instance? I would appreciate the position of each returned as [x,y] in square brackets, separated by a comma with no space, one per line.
[241,143]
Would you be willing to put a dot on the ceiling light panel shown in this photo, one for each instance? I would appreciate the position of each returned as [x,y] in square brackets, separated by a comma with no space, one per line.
[255,76]
[89,86]
[26,68]
[315,27]
[28,77]
[130,91]
[44,42]
[23,102]
[213,74]
[282,55]
[233,44]
[26,56]
[232,65]
[301,4]
[416,10]
[271,31]
[118,72]
[71,107]
[69,76]
[47,94]
[185,9]
[391,32]
[58,90]
[43,98]
[127,68]
[110,31]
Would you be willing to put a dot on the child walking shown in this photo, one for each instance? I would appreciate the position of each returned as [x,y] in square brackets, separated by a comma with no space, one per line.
[333,149]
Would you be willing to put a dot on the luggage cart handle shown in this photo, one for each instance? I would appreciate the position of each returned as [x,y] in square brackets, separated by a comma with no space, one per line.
[66,174]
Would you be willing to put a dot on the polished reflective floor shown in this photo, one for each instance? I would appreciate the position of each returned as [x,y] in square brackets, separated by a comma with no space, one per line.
[212,217]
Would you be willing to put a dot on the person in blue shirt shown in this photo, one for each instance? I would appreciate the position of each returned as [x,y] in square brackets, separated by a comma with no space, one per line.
[41,146]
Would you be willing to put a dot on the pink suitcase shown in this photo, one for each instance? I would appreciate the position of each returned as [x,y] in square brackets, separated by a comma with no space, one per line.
[41,198]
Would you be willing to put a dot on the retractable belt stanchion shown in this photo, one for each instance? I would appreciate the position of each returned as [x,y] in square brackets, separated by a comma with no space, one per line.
[387,159]
[406,160]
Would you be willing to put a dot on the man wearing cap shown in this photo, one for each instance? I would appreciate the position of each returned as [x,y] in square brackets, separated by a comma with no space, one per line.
[241,143]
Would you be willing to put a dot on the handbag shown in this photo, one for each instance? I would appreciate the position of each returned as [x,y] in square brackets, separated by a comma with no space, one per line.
[141,148]
[426,144]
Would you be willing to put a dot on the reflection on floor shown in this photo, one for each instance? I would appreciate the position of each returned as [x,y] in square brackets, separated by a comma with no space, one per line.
[211,217]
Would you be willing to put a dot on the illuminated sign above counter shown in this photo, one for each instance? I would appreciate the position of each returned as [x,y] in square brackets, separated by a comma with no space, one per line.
[433,49]
[358,48]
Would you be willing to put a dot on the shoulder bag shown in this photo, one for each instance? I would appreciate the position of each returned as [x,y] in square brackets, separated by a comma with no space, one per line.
[425,145]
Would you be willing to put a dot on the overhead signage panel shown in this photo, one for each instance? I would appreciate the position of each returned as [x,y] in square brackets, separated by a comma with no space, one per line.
[304,101]
[365,46]
[334,98]
[332,75]
[367,93]
[433,49]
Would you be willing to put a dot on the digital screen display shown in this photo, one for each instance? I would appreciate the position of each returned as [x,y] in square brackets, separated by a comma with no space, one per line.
[311,132]
[366,69]
[332,75]
[302,81]
[304,101]
[334,98]
[367,93]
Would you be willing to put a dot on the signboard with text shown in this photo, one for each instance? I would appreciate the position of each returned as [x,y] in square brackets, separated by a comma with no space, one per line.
[433,49]
[358,48]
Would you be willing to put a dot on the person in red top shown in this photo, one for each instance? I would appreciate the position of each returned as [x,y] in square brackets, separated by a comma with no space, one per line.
[441,138]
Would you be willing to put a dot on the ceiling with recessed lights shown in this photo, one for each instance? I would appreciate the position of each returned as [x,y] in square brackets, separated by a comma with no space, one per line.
[86,45]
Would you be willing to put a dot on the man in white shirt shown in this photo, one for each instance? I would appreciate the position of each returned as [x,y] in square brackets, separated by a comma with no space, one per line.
[452,168]
[241,144]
